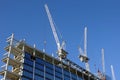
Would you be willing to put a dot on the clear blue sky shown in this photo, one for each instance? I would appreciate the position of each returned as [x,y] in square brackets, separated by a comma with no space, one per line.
[27,19]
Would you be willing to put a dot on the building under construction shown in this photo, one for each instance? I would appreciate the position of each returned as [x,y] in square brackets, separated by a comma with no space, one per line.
[24,62]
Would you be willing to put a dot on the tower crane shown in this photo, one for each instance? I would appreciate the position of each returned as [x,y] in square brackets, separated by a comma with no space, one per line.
[61,53]
[103,61]
[83,55]
[113,75]
[103,64]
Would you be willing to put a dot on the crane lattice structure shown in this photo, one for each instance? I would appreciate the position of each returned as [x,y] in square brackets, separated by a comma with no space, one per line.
[83,55]
[113,74]
[61,53]
[103,74]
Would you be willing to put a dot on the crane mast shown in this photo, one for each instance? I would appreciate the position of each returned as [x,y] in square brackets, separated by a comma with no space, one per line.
[83,57]
[61,53]
[103,62]
[85,48]
[103,75]
[85,42]
[113,75]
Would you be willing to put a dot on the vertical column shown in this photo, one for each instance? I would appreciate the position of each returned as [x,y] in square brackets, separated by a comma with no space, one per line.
[82,75]
[43,56]
[53,67]
[44,71]
[62,71]
[22,60]
[76,73]
[69,70]
[23,50]
[34,62]
[11,42]
[44,66]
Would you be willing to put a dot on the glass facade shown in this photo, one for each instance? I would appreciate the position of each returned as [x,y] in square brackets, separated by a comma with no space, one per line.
[39,69]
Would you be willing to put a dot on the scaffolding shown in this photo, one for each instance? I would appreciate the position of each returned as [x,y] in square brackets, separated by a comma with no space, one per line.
[13,59]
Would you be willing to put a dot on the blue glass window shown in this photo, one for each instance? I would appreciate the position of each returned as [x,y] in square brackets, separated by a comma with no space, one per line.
[48,70]
[39,66]
[27,55]
[66,73]
[39,77]
[49,65]
[57,74]
[58,69]
[28,61]
[27,74]
[40,61]
[57,78]
[27,67]
[66,78]
[42,68]
[74,77]
[49,76]
[24,78]
[39,72]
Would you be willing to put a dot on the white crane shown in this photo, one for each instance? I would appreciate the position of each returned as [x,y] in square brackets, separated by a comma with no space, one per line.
[61,52]
[113,75]
[103,61]
[103,64]
[83,55]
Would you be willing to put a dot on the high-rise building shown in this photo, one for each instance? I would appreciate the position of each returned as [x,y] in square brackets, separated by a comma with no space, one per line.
[24,62]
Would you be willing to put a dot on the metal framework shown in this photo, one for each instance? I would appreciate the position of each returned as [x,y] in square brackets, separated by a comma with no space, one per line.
[113,74]
[61,52]
[15,58]
[83,55]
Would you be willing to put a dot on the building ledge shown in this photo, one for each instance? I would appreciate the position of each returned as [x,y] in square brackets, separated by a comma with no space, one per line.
[10,75]
[14,50]
[11,62]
